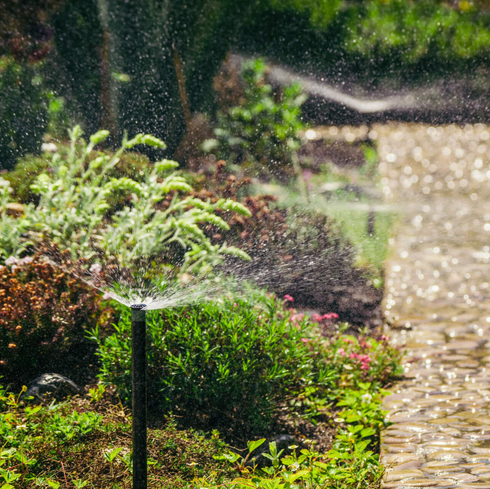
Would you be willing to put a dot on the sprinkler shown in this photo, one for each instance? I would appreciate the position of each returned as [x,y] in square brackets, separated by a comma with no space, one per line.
[138,332]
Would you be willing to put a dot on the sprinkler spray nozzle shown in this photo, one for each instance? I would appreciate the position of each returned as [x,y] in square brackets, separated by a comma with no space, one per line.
[138,306]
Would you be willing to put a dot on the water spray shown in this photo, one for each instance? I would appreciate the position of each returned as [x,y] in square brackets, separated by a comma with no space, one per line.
[138,332]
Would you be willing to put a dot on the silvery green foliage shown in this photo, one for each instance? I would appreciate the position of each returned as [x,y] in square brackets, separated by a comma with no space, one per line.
[77,208]
[11,228]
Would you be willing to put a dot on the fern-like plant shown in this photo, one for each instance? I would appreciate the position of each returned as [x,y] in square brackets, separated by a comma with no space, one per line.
[80,208]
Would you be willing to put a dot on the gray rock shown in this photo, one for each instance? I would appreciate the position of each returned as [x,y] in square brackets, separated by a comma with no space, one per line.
[52,386]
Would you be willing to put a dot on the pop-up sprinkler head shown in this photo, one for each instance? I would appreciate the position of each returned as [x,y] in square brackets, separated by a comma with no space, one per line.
[138,331]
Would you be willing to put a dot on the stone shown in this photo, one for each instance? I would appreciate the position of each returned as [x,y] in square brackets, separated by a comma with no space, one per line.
[448,444]
[451,431]
[463,477]
[392,431]
[475,485]
[481,451]
[395,475]
[476,436]
[480,469]
[388,440]
[441,470]
[479,459]
[447,455]
[416,427]
[414,464]
[53,386]
[15,210]
[419,483]
[399,458]
[401,448]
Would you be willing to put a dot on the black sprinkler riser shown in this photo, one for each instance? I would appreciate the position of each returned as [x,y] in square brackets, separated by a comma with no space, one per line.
[138,332]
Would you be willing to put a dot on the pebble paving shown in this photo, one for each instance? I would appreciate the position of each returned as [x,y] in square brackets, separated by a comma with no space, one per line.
[438,303]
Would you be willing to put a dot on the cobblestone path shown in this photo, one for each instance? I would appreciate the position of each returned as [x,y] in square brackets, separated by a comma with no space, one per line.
[438,297]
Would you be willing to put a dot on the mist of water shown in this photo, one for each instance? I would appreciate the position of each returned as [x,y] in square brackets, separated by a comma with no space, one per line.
[159,286]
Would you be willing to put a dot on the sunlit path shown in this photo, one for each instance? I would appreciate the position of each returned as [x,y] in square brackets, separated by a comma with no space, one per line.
[438,298]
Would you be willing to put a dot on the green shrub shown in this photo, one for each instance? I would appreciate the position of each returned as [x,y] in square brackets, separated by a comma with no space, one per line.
[262,131]
[410,31]
[23,111]
[28,168]
[232,362]
[23,175]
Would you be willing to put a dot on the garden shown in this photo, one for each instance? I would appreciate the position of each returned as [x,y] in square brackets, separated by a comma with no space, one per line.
[247,386]
[141,165]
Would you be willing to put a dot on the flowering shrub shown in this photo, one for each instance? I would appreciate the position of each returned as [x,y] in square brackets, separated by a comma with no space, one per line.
[239,360]
[44,317]
[363,359]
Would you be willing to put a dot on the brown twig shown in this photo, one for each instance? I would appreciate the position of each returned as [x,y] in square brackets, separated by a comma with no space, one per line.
[64,473]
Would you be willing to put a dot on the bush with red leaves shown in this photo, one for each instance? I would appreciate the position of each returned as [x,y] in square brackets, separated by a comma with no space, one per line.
[45,315]
[297,253]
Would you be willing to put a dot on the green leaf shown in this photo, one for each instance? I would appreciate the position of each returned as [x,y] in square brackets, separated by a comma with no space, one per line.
[252,445]
[150,140]
[112,455]
[165,165]
[99,136]
[367,432]
[233,206]
[230,457]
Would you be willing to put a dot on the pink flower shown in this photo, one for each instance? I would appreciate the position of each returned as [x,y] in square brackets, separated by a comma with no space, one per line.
[305,340]
[365,366]
[353,356]
[385,338]
[316,317]
[365,358]
[288,298]
[307,174]
[348,341]
[341,351]
[296,318]
[235,304]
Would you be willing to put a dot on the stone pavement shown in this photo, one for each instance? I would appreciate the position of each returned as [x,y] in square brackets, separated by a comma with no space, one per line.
[438,300]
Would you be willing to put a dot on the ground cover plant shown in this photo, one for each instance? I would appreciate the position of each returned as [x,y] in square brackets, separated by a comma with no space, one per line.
[85,442]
